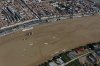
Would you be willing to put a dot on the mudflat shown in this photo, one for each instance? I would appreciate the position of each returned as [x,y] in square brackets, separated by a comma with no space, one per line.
[18,49]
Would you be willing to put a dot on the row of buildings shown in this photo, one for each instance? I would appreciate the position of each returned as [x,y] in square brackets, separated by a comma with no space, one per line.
[88,55]
[19,11]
